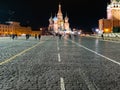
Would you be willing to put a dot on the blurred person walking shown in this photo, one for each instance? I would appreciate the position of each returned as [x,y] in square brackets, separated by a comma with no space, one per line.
[39,36]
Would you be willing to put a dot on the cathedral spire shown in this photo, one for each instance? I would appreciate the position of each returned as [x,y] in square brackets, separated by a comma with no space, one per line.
[59,10]
[66,17]
[66,14]
[59,14]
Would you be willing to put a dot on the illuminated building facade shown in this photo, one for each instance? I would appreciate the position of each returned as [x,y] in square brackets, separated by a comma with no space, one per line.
[58,24]
[113,17]
[15,28]
[113,10]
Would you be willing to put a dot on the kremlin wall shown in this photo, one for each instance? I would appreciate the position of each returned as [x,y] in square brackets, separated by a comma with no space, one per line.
[112,23]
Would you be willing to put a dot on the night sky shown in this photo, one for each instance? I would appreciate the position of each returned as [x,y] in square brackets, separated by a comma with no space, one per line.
[83,14]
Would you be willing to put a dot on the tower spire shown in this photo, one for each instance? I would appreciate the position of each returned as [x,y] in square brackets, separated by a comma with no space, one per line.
[66,18]
[59,14]
[66,14]
[59,10]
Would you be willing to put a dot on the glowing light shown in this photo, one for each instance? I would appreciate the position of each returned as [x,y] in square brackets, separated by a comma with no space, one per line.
[97,30]
[106,30]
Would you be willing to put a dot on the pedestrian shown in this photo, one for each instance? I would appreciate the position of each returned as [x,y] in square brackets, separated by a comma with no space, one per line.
[36,36]
[60,36]
[39,36]
[27,36]
[102,36]
[13,36]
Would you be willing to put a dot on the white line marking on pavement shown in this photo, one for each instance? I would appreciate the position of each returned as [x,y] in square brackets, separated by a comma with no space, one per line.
[59,57]
[57,42]
[11,58]
[90,85]
[110,41]
[97,53]
[62,84]
[58,48]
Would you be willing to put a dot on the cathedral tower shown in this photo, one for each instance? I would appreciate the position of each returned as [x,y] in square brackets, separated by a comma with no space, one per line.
[112,23]
[58,24]
[59,14]
[50,23]
[66,25]
[113,10]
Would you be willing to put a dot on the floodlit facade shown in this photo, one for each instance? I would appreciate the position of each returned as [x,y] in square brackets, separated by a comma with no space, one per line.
[15,28]
[105,25]
[113,17]
[57,23]
[113,10]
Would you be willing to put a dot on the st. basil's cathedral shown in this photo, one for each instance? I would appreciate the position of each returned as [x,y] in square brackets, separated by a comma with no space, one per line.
[58,24]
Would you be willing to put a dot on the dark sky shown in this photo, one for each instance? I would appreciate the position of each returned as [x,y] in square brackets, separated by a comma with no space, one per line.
[83,14]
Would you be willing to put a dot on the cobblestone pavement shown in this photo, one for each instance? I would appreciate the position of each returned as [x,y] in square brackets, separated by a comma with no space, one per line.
[53,64]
